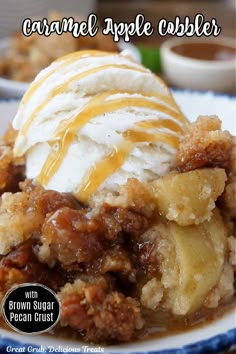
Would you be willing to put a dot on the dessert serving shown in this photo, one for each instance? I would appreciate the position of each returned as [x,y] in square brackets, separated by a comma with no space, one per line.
[113,199]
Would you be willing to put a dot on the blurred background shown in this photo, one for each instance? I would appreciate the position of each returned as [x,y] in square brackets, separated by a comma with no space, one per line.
[13,12]
[222,10]
[21,58]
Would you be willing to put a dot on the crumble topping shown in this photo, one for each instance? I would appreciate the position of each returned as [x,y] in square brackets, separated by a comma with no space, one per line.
[232,250]
[205,145]
[152,294]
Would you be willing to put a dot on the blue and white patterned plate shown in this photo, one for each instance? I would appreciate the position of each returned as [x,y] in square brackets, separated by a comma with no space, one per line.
[215,337]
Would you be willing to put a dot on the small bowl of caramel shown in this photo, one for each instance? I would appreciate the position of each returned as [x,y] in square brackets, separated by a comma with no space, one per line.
[200,63]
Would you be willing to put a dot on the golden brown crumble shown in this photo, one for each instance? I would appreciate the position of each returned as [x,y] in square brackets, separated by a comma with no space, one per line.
[232,251]
[229,197]
[12,169]
[104,316]
[205,145]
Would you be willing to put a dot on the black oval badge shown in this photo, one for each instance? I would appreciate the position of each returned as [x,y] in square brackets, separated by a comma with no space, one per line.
[31,308]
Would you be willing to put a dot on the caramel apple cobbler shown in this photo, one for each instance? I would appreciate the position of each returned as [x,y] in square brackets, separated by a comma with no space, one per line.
[113,199]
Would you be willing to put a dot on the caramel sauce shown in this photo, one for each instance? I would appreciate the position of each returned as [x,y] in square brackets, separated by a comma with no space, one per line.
[161,123]
[205,51]
[63,87]
[65,60]
[97,106]
[83,54]
[103,169]
[111,163]
[162,324]
[141,137]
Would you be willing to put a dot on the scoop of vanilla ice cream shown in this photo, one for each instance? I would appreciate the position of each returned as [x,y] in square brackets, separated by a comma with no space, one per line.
[92,120]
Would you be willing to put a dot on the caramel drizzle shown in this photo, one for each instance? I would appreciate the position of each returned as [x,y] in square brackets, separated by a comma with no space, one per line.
[65,60]
[161,123]
[109,164]
[99,105]
[63,87]
[169,100]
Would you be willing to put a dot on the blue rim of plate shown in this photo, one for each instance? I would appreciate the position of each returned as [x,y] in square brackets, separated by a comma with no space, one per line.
[213,345]
[173,90]
[202,92]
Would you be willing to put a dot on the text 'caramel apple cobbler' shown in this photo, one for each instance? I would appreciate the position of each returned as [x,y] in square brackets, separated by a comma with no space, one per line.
[113,199]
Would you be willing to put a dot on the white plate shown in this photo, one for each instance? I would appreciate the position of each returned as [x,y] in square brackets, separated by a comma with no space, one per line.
[219,335]
[15,89]
[10,88]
